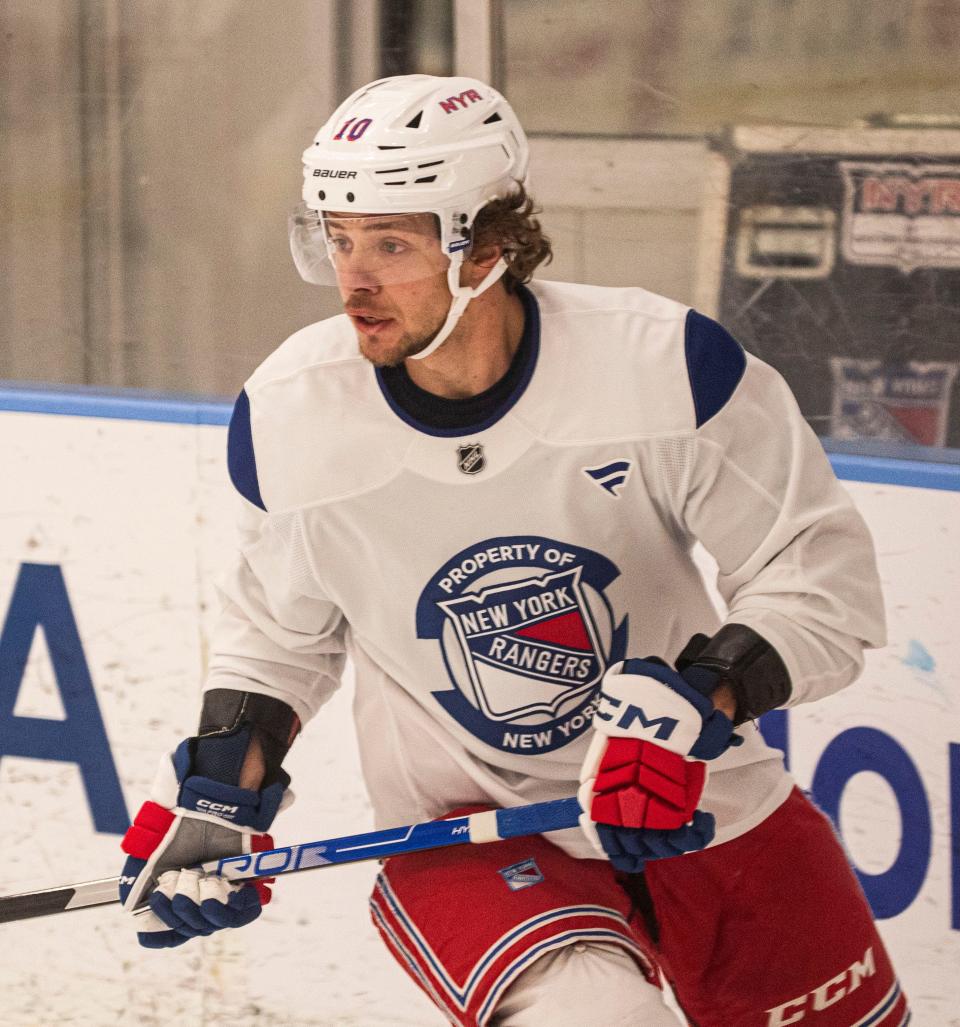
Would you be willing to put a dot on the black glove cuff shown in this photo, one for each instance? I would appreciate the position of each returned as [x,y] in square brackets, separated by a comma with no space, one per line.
[229,719]
[747,663]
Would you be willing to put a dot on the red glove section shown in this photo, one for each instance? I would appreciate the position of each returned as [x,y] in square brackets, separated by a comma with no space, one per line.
[147,830]
[639,784]
[261,843]
[153,821]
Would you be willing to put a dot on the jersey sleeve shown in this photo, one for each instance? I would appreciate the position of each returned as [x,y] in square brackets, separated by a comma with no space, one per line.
[278,633]
[796,560]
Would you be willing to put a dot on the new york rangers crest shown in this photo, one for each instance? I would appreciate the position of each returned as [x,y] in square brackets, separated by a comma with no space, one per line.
[537,627]
[524,874]
[526,632]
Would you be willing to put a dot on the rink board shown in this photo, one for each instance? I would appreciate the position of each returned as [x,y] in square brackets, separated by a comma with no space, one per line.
[113,511]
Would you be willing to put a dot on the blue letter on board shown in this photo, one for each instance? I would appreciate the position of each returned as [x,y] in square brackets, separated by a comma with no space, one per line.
[40,601]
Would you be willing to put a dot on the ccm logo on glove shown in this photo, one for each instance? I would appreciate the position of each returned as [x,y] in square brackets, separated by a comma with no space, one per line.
[663,726]
[217,809]
[645,700]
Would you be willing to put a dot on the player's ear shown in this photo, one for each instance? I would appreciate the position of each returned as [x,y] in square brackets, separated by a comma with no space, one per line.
[482,259]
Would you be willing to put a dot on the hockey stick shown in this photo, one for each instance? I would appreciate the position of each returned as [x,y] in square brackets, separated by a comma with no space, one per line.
[494,825]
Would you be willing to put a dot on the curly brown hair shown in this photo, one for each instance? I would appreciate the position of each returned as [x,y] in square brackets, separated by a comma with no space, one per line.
[510,222]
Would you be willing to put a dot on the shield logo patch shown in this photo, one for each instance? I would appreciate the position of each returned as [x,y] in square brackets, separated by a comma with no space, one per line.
[526,629]
[524,874]
[530,646]
[470,458]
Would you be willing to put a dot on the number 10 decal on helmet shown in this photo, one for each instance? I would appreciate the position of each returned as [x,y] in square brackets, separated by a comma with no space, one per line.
[359,126]
[408,145]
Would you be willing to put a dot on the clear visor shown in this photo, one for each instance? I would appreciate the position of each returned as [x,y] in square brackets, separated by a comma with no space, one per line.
[356,251]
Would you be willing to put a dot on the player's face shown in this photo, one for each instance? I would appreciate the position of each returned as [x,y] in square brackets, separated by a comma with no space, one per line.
[392,276]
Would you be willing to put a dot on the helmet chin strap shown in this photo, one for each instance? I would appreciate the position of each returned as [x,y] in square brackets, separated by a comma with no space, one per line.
[462,295]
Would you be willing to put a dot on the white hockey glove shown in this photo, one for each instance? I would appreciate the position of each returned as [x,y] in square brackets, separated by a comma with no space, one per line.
[644,772]
[190,820]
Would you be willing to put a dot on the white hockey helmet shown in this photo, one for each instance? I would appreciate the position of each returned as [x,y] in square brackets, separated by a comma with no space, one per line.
[411,144]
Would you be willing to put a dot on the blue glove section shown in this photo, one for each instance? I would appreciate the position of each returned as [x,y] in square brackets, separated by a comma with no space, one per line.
[629,848]
[242,908]
[186,919]
[162,939]
[695,685]
[243,807]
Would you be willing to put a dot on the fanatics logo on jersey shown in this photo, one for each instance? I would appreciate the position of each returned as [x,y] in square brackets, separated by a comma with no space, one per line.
[524,874]
[610,476]
[470,458]
[526,632]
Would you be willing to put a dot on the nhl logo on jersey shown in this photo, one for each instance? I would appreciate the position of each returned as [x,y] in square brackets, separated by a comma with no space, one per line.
[470,458]
[525,631]
[524,874]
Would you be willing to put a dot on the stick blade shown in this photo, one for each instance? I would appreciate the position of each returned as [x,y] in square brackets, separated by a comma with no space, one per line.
[28,905]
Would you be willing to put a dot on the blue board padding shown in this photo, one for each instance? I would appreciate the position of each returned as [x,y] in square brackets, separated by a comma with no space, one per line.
[921,474]
[143,406]
[131,405]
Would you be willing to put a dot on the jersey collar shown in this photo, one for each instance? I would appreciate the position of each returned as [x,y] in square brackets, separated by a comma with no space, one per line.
[452,418]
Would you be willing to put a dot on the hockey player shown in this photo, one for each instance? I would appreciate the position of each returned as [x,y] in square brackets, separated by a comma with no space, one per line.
[486,490]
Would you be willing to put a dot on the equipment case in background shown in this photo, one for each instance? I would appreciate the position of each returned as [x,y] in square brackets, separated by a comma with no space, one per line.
[834,255]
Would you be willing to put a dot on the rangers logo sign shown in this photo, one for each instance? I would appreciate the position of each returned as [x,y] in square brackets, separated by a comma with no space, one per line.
[907,401]
[526,634]
[901,215]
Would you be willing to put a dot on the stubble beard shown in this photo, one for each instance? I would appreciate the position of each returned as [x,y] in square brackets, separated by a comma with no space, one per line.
[406,346]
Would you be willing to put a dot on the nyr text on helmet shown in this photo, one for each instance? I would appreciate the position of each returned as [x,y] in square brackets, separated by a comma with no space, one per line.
[467,96]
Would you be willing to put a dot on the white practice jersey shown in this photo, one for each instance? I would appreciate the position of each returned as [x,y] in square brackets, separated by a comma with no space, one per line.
[483,579]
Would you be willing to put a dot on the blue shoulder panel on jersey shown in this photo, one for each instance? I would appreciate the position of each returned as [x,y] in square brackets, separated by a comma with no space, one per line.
[241,462]
[715,365]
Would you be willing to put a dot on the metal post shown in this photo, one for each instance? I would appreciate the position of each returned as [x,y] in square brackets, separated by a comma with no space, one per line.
[477,40]
[358,29]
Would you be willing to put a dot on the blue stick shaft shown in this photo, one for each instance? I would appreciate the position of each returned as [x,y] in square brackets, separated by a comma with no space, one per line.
[536,818]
